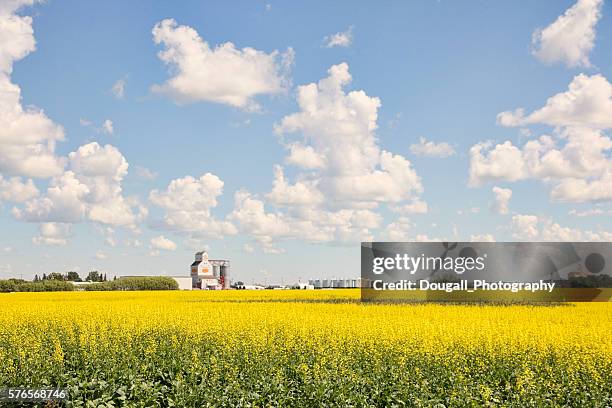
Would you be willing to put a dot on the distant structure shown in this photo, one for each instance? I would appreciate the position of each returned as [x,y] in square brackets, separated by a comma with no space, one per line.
[209,273]
[303,285]
[184,282]
[336,283]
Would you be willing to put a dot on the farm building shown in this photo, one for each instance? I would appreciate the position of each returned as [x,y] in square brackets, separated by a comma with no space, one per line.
[209,273]
[184,282]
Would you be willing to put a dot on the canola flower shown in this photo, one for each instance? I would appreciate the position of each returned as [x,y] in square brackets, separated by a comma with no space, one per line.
[303,348]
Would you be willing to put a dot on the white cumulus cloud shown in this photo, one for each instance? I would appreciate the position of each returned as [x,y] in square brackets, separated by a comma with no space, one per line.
[64,202]
[188,204]
[571,37]
[502,199]
[224,74]
[399,230]
[299,193]
[27,136]
[575,161]
[586,103]
[342,174]
[16,190]
[525,227]
[53,233]
[307,224]
[428,148]
[417,206]
[576,164]
[90,190]
[305,157]
[500,162]
[162,243]
[340,39]
[544,229]
[338,129]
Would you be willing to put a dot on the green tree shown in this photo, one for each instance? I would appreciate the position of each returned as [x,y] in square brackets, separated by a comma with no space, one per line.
[93,276]
[73,276]
[7,286]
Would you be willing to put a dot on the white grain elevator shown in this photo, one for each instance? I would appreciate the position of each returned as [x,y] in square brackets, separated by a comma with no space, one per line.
[209,273]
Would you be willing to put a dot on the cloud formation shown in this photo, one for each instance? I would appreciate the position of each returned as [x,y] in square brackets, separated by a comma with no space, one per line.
[431,149]
[576,163]
[163,243]
[27,136]
[89,190]
[341,176]
[224,74]
[571,37]
[338,129]
[586,103]
[145,173]
[17,191]
[310,224]
[159,244]
[108,127]
[53,233]
[340,39]
[188,204]
[534,228]
[502,199]
[118,88]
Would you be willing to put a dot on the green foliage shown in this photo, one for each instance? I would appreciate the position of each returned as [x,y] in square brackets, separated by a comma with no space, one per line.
[55,276]
[55,285]
[161,368]
[19,285]
[136,283]
[45,286]
[7,286]
[73,276]
[94,276]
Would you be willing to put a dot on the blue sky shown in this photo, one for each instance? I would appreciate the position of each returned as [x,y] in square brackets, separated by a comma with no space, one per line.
[443,71]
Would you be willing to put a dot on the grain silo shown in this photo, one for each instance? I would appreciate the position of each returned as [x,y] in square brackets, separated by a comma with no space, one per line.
[209,273]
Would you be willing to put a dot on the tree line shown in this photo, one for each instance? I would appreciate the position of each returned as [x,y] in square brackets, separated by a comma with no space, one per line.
[135,283]
[72,276]
[58,282]
[20,285]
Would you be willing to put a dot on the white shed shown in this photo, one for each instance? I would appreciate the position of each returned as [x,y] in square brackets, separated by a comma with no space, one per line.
[184,282]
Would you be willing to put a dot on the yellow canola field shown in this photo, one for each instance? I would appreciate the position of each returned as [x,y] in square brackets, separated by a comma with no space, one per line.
[297,348]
